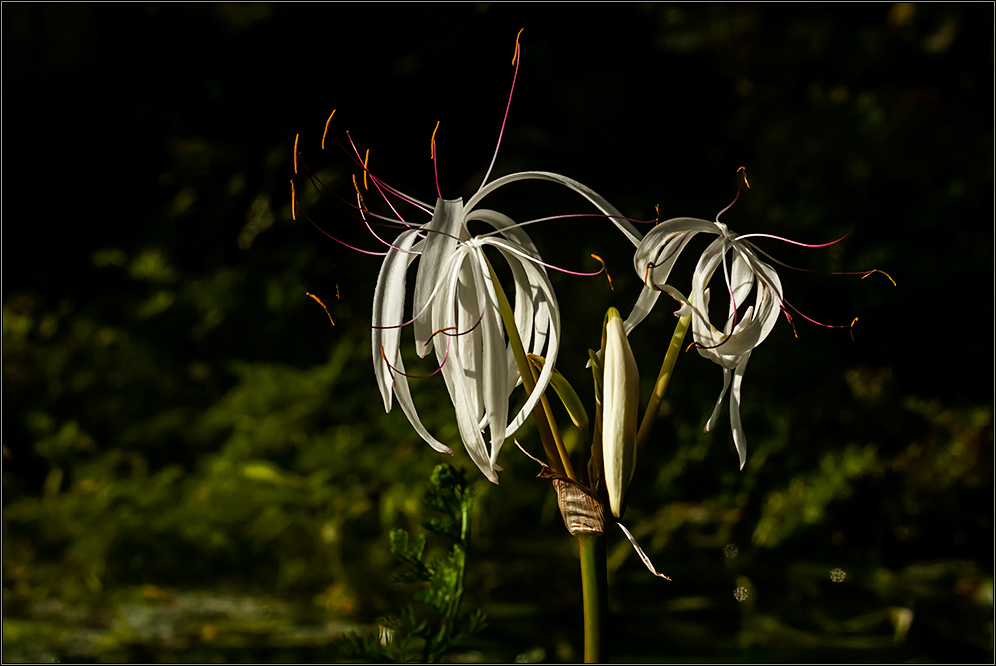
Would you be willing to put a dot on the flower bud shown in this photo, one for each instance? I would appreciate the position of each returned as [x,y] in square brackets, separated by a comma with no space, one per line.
[620,399]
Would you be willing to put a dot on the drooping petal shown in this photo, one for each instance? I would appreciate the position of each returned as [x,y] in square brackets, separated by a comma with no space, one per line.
[388,310]
[545,302]
[408,407]
[441,237]
[453,370]
[739,438]
[491,382]
[727,374]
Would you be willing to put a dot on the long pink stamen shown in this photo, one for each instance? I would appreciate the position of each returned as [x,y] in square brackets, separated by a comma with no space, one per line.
[351,247]
[435,166]
[788,240]
[539,262]
[508,106]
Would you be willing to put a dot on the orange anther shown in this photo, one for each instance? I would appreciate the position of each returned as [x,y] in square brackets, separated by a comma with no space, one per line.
[296,137]
[327,128]
[366,160]
[852,328]
[448,328]
[744,169]
[293,216]
[432,143]
[604,268]
[657,207]
[516,54]
[358,195]
[322,303]
[883,273]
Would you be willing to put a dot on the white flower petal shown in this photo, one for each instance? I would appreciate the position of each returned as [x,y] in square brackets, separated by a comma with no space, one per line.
[727,374]
[440,241]
[739,438]
[388,310]
[613,214]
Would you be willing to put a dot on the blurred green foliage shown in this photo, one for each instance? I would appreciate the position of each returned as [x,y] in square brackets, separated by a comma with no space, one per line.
[196,463]
[427,636]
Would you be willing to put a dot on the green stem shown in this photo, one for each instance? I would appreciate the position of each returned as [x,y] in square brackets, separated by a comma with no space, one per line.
[553,445]
[667,369]
[594,587]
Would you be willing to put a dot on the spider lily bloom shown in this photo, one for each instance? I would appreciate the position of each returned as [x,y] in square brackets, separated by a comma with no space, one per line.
[456,307]
[456,312]
[729,345]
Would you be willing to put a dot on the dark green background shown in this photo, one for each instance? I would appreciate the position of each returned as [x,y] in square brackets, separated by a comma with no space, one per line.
[196,464]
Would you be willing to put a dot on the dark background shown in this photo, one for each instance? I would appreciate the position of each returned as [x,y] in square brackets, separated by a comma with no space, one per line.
[196,464]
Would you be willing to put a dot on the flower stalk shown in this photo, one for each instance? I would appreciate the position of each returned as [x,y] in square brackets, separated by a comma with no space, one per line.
[663,379]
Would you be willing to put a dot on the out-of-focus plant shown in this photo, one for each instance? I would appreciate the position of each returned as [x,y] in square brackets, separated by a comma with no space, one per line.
[435,626]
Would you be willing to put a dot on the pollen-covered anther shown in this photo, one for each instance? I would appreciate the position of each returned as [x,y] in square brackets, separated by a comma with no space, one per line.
[515,55]
[851,328]
[604,268]
[359,196]
[432,142]
[883,273]
[293,214]
[322,303]
[366,161]
[296,137]
[744,170]
[327,128]
[447,328]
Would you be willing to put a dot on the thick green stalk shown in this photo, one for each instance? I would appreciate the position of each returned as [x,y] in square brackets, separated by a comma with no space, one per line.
[594,588]
[553,445]
[667,369]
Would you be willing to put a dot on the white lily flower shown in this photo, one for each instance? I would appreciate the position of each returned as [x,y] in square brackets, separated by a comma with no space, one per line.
[456,308]
[455,298]
[730,344]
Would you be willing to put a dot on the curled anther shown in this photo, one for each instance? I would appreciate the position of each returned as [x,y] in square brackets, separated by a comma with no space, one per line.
[883,273]
[447,328]
[851,328]
[515,55]
[744,170]
[322,303]
[432,142]
[604,268]
[327,128]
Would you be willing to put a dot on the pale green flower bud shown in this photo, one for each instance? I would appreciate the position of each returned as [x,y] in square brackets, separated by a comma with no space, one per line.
[621,394]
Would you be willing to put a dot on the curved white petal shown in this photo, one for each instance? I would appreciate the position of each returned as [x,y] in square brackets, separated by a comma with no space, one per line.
[462,393]
[610,211]
[727,375]
[739,438]
[491,371]
[388,310]
[546,301]
[442,233]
